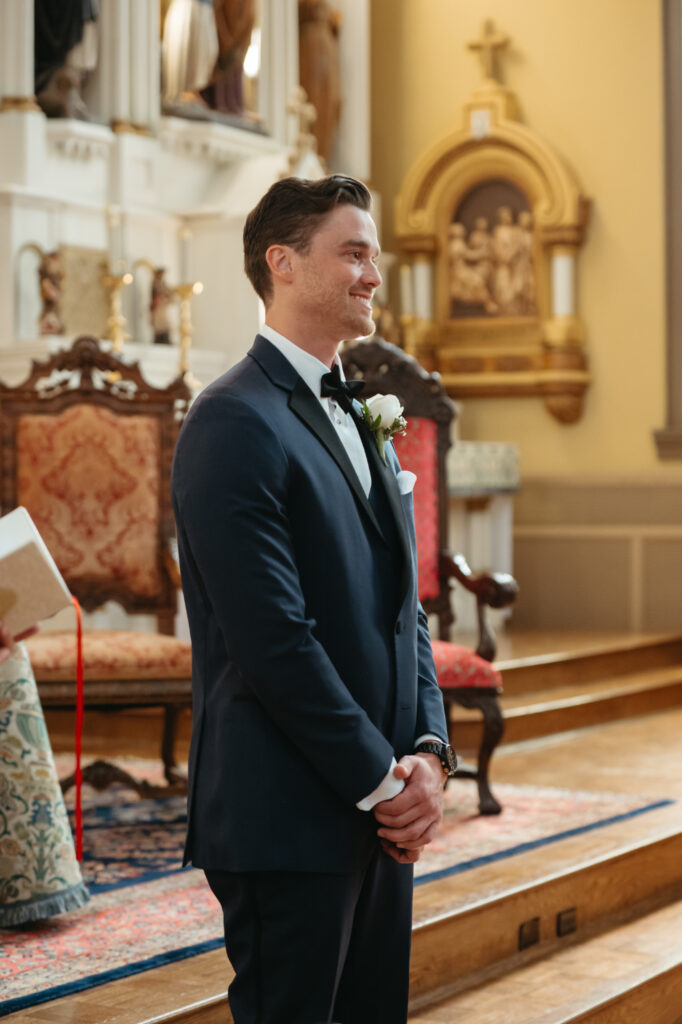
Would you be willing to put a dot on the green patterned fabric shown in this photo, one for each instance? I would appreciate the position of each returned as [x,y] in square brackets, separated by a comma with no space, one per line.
[39,873]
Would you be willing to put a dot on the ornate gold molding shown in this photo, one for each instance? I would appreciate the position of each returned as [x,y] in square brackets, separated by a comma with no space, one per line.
[18,103]
[121,126]
[490,145]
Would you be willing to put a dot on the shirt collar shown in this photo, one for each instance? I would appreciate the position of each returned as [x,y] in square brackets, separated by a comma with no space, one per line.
[308,366]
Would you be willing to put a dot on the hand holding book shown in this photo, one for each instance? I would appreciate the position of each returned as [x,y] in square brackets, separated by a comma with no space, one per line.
[7,641]
[31,586]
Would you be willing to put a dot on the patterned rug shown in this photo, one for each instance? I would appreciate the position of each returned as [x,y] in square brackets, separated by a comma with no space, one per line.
[147,911]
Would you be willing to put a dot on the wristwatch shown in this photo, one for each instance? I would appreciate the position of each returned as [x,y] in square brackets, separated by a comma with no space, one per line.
[446,753]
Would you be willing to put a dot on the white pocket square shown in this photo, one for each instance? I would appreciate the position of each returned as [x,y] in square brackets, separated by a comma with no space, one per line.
[406,481]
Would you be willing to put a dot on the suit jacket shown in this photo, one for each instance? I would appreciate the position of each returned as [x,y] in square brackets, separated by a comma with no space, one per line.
[312,664]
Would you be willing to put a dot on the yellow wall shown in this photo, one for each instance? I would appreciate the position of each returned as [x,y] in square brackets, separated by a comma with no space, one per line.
[588,76]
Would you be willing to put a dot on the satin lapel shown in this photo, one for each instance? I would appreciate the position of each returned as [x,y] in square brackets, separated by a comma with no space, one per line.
[383,472]
[306,406]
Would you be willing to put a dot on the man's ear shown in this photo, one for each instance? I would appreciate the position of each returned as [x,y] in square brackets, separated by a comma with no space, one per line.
[280,263]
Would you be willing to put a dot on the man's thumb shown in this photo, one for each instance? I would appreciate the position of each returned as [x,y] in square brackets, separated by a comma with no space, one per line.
[402,770]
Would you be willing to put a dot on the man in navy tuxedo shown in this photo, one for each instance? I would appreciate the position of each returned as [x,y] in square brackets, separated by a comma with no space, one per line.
[319,743]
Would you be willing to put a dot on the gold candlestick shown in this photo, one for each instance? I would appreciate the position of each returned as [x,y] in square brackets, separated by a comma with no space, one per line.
[116,322]
[185,293]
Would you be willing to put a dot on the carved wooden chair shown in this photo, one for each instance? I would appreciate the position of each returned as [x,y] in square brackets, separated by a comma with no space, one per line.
[465,677]
[87,446]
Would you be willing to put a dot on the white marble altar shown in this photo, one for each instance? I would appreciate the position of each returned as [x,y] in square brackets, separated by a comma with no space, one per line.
[163,177]
[482,480]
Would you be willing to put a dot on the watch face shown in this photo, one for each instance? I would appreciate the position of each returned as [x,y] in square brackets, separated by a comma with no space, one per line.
[451,758]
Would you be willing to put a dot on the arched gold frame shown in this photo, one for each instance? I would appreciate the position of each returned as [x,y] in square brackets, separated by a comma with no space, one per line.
[484,356]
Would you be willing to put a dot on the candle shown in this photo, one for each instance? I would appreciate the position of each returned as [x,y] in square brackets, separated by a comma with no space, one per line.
[185,236]
[115,247]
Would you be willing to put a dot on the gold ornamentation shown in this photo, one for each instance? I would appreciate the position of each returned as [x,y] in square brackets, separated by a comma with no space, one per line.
[18,103]
[501,217]
[490,42]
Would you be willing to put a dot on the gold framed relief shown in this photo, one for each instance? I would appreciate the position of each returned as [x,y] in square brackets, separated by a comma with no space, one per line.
[490,222]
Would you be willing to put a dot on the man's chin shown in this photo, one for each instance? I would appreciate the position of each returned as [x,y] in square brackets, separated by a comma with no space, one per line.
[363,331]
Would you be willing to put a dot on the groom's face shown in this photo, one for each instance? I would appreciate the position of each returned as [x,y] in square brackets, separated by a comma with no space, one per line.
[337,275]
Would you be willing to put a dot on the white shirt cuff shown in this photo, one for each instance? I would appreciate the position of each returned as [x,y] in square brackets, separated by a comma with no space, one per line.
[428,737]
[386,790]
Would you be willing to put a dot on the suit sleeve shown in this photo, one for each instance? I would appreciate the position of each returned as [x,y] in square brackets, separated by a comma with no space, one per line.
[230,485]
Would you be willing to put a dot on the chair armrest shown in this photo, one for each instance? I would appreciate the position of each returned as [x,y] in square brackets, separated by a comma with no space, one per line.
[170,558]
[492,590]
[496,589]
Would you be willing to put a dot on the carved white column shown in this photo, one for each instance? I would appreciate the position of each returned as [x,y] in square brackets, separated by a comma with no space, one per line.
[422,278]
[16,55]
[144,62]
[279,67]
[563,282]
[352,149]
[109,94]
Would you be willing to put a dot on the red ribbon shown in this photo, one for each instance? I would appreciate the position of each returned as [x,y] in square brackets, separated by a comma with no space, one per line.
[79,728]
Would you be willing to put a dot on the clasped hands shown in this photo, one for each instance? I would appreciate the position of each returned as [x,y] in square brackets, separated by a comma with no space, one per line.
[410,820]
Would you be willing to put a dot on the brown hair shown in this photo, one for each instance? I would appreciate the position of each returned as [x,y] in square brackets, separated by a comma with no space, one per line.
[289,214]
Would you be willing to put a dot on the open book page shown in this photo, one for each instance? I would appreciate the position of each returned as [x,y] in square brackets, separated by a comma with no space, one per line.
[31,586]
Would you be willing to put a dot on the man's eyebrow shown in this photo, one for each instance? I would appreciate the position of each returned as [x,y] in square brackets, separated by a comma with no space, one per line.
[358,243]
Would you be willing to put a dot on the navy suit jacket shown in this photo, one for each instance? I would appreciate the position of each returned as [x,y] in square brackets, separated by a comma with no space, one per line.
[312,665]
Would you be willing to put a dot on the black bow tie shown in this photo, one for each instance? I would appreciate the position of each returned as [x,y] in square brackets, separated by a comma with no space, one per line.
[342,391]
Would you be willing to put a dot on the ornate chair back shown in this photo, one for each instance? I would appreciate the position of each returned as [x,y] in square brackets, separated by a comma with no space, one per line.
[465,677]
[422,450]
[87,445]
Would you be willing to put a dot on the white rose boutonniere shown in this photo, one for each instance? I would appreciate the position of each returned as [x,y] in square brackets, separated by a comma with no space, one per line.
[383,414]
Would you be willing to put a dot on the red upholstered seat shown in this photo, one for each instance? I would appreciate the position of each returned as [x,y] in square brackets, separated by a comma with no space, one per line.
[110,654]
[458,666]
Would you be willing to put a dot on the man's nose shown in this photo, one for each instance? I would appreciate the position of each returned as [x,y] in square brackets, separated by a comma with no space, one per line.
[372,275]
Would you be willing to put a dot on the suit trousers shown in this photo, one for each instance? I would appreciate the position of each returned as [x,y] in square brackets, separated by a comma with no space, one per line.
[312,948]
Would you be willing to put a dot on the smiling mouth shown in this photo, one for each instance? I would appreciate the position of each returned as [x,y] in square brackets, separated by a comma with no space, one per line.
[366,300]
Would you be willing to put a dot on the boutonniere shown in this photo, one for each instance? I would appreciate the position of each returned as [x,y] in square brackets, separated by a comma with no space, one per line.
[383,414]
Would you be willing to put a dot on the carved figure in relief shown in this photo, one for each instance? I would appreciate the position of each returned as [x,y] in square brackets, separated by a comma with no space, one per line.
[319,68]
[65,52]
[494,270]
[190,48]
[504,251]
[160,301]
[204,46]
[481,252]
[467,280]
[51,276]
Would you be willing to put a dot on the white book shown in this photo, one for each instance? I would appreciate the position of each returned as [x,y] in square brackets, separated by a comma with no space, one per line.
[31,585]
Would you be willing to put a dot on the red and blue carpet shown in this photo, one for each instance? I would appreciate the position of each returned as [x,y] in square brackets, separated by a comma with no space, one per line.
[147,911]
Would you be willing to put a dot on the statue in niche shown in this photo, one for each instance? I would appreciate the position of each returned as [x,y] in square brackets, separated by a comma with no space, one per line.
[160,300]
[467,279]
[204,46]
[493,270]
[319,68]
[51,277]
[65,52]
[234,20]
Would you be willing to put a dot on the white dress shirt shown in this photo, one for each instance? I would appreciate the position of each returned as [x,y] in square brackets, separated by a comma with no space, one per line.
[312,369]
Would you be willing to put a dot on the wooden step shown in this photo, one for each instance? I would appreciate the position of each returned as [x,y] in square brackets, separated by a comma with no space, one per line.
[564,708]
[589,662]
[456,937]
[463,924]
[630,975]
